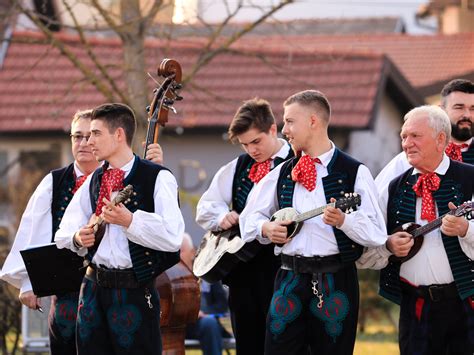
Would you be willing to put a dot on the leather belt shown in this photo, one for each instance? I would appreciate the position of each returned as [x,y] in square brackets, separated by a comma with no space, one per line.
[436,293]
[112,278]
[311,265]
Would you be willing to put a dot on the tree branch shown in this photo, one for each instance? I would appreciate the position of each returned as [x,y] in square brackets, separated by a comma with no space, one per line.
[108,19]
[157,6]
[92,55]
[207,54]
[58,44]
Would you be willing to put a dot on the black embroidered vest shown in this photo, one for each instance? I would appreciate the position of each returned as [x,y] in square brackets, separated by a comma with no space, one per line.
[457,186]
[342,172]
[147,263]
[63,184]
[265,260]
[242,185]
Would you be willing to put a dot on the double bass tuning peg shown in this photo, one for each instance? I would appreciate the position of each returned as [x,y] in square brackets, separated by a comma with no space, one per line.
[167,101]
[172,109]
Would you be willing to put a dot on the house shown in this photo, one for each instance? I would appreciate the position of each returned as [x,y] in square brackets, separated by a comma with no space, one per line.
[40,91]
[453,16]
[426,61]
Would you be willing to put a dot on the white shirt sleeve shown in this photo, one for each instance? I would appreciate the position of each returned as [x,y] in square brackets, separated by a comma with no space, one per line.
[262,204]
[164,228]
[366,226]
[34,229]
[377,257]
[215,202]
[398,165]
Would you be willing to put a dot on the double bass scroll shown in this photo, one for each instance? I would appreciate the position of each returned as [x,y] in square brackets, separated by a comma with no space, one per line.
[164,96]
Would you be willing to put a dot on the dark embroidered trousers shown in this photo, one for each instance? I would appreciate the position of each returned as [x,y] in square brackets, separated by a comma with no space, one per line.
[249,298]
[442,327]
[295,323]
[62,324]
[117,321]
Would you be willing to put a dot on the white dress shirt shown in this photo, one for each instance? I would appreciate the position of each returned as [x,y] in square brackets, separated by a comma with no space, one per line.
[430,265]
[365,226]
[159,230]
[34,230]
[214,203]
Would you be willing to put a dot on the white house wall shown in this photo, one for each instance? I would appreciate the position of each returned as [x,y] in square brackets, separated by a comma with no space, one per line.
[375,148]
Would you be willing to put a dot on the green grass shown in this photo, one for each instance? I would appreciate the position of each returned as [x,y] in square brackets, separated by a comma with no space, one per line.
[379,339]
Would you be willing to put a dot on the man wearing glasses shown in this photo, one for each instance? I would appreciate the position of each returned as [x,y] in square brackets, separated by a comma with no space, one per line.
[39,223]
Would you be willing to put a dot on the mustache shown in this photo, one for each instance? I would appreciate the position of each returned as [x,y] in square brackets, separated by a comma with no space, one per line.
[464,119]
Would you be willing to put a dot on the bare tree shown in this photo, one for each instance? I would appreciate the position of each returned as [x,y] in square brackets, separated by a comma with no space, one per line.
[132,25]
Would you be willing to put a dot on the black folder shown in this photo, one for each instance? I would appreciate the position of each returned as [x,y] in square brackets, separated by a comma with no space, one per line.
[53,271]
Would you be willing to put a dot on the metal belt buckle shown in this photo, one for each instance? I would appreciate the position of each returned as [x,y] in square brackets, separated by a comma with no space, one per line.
[296,262]
[432,292]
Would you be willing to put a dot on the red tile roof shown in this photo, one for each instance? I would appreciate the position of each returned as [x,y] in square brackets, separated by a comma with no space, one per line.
[423,60]
[40,89]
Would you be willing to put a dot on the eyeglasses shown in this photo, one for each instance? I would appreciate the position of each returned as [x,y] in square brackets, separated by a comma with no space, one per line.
[77,138]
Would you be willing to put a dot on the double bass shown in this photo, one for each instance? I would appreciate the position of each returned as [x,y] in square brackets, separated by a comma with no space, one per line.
[178,287]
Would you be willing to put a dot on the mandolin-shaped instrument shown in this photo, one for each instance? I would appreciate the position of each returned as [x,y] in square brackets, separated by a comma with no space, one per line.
[221,251]
[98,224]
[417,232]
[346,204]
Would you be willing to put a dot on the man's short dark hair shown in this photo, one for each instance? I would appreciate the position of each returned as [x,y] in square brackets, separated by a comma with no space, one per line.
[312,98]
[461,85]
[116,115]
[254,113]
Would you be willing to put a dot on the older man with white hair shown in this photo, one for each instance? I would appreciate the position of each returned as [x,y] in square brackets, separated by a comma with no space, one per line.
[435,287]
[457,100]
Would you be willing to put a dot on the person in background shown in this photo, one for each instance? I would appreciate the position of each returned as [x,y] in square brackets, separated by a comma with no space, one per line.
[207,329]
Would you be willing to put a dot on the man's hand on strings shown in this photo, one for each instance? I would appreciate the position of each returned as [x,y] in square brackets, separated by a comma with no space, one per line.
[276,231]
[85,237]
[454,226]
[333,216]
[116,214]
[230,219]
[399,243]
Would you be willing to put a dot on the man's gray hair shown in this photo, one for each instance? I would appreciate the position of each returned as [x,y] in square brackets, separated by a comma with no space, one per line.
[438,119]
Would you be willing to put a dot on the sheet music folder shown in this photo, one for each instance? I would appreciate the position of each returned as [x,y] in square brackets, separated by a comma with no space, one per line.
[53,271]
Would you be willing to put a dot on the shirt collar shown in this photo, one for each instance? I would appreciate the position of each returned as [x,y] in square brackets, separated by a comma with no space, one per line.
[284,150]
[468,142]
[441,169]
[127,167]
[326,158]
[78,171]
